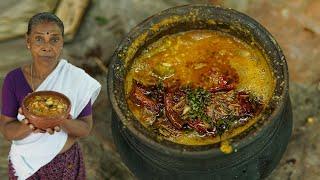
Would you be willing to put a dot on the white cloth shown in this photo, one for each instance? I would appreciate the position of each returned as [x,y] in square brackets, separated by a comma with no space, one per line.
[36,150]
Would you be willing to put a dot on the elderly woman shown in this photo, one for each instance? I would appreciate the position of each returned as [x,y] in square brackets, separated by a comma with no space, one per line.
[51,153]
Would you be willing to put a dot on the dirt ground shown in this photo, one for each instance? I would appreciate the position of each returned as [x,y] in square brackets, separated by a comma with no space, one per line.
[293,23]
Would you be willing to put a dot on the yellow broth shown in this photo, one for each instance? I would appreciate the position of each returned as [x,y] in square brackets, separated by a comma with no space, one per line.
[188,57]
[47,106]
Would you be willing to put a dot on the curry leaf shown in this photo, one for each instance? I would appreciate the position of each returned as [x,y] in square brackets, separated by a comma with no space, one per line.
[198,99]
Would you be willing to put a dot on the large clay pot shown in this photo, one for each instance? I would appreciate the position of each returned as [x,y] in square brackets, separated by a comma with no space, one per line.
[256,151]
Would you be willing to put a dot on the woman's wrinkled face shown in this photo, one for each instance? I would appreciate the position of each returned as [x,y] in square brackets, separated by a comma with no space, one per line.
[45,41]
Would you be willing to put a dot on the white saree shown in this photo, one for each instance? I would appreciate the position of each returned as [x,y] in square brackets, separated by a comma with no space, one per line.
[36,150]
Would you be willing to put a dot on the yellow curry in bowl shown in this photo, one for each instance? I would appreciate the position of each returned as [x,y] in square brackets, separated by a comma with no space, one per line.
[47,106]
[199,87]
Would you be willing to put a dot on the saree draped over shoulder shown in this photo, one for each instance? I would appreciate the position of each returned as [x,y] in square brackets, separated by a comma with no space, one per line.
[36,150]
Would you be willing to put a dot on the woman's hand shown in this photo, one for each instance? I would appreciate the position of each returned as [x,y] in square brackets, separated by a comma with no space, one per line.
[32,127]
[58,128]
[37,130]
[79,127]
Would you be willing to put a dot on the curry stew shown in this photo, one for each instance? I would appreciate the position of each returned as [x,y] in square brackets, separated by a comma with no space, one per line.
[47,106]
[198,87]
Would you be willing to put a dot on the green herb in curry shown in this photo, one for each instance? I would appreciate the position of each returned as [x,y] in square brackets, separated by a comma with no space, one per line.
[198,99]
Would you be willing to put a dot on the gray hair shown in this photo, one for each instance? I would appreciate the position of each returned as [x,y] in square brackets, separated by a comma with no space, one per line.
[45,17]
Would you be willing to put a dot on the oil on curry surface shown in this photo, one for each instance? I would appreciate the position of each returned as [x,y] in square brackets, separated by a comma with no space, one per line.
[198,87]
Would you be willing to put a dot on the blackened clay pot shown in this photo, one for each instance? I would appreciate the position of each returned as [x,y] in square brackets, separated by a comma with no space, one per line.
[256,151]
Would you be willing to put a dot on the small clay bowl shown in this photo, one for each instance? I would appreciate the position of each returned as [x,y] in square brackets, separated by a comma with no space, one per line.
[45,121]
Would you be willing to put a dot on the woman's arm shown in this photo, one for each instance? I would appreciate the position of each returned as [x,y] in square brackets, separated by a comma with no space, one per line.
[12,129]
[79,128]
